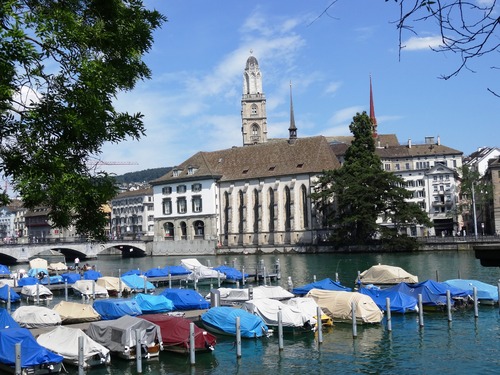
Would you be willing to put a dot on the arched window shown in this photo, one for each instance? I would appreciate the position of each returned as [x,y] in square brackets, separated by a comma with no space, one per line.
[255,211]
[288,209]
[183,230]
[199,229]
[255,130]
[169,230]
[254,110]
[241,208]
[305,207]
[271,210]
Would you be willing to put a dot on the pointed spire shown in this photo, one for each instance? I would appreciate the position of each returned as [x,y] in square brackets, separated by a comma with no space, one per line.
[372,111]
[292,130]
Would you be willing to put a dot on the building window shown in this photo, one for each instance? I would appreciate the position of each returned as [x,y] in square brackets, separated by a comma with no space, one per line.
[305,211]
[396,167]
[407,166]
[255,130]
[271,210]
[151,218]
[183,230]
[255,211]
[196,202]
[169,230]
[181,189]
[254,110]
[196,187]
[288,209]
[176,172]
[167,206]
[241,211]
[181,205]
[166,190]
[387,167]
[199,228]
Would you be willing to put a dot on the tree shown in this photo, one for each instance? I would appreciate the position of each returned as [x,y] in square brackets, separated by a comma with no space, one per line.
[361,193]
[62,64]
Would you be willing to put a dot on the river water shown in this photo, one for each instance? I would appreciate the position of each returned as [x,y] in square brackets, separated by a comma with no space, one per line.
[464,346]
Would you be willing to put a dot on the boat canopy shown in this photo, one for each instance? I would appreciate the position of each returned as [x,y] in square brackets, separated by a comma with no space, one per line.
[27,281]
[484,291]
[36,317]
[112,283]
[165,271]
[272,292]
[70,277]
[7,321]
[150,304]
[57,267]
[231,273]
[338,305]
[74,312]
[433,292]
[138,283]
[199,271]
[325,284]
[91,275]
[268,310]
[39,263]
[186,299]
[32,291]
[4,294]
[32,353]
[223,319]
[116,308]
[383,274]
[400,302]
[4,270]
[89,288]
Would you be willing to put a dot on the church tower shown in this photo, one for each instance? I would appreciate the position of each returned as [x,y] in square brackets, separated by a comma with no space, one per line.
[253,105]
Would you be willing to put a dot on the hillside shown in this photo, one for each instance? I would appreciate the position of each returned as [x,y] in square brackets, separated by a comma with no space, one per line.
[146,175]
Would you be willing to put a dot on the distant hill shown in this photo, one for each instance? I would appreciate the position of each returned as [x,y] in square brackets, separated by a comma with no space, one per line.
[146,175]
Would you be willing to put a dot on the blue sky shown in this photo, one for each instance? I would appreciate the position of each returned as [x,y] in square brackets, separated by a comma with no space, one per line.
[193,101]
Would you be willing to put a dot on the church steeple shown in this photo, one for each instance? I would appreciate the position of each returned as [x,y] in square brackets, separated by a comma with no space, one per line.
[253,105]
[372,111]
[292,130]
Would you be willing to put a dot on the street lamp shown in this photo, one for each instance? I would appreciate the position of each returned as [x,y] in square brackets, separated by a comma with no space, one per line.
[474,210]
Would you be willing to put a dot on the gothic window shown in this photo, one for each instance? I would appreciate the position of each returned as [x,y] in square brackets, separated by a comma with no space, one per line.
[288,209]
[254,110]
[241,208]
[305,211]
[255,211]
[226,213]
[271,210]
[255,130]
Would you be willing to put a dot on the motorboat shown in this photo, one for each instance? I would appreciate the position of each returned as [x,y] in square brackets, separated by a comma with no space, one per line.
[89,289]
[201,273]
[222,320]
[309,306]
[36,293]
[35,359]
[186,299]
[138,283]
[384,275]
[399,301]
[36,317]
[75,312]
[114,308]
[65,342]
[175,333]
[233,275]
[153,304]
[7,292]
[119,336]
[114,285]
[487,294]
[325,284]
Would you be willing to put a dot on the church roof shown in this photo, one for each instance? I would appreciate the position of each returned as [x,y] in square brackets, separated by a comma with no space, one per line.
[309,155]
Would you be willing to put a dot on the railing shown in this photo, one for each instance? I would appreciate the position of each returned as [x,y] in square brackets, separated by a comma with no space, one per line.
[458,239]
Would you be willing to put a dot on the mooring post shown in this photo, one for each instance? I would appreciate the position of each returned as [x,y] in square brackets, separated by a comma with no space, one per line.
[420,311]
[238,337]
[389,319]
[354,326]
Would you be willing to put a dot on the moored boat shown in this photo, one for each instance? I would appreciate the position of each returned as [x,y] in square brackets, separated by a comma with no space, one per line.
[487,294]
[74,312]
[153,304]
[36,317]
[222,320]
[89,289]
[114,285]
[115,308]
[384,275]
[36,293]
[325,284]
[186,299]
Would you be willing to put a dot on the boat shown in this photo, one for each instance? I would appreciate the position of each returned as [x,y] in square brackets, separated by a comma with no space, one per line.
[325,284]
[233,275]
[384,275]
[230,296]
[36,293]
[52,280]
[114,308]
[74,312]
[138,283]
[167,271]
[4,271]
[38,263]
[487,294]
[35,359]
[236,296]
[27,280]
[7,321]
[200,272]
[89,289]
[186,299]
[338,305]
[119,336]
[114,285]
[57,268]
[175,333]
[71,277]
[222,320]
[153,304]
[309,306]
[399,302]
[292,319]
[270,291]
[36,317]
[91,275]
[65,342]
[6,291]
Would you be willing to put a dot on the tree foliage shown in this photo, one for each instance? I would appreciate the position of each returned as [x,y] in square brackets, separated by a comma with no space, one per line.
[62,64]
[361,192]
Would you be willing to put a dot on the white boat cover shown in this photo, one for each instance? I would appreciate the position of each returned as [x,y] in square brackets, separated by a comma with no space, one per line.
[119,335]
[273,292]
[9,282]
[64,341]
[39,263]
[57,267]
[268,309]
[338,305]
[199,271]
[231,294]
[89,287]
[74,312]
[307,305]
[111,283]
[36,317]
[30,291]
[383,274]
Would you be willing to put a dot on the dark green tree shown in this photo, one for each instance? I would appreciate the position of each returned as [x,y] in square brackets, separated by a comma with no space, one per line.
[356,195]
[62,64]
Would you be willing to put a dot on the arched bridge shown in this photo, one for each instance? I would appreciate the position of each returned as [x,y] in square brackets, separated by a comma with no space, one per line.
[21,253]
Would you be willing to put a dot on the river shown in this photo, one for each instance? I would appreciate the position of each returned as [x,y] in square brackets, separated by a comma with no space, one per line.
[464,346]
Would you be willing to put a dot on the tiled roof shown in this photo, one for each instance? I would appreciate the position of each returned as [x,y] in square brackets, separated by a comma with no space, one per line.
[135,193]
[271,159]
[416,150]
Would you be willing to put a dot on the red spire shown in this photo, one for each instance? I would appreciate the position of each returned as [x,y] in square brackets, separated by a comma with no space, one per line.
[372,111]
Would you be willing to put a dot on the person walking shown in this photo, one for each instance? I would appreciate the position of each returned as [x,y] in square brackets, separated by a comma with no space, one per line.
[77,263]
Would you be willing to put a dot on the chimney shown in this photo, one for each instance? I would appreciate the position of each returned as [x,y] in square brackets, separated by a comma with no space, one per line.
[439,141]
[409,142]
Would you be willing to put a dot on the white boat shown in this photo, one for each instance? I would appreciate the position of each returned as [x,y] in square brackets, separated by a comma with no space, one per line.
[200,272]
[74,312]
[58,267]
[65,342]
[234,296]
[309,307]
[114,285]
[36,317]
[36,293]
[89,289]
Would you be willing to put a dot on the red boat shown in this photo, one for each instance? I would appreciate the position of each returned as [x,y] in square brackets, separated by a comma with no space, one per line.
[175,334]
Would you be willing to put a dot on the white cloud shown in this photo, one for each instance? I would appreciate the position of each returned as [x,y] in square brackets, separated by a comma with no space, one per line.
[332,87]
[419,43]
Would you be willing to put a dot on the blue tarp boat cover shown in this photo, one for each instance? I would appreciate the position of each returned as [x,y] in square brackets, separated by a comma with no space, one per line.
[4,270]
[223,319]
[484,291]
[14,297]
[433,292]
[230,272]
[27,281]
[155,272]
[136,283]
[32,353]
[186,299]
[325,284]
[70,278]
[116,308]
[150,304]
[91,275]
[400,302]
[34,272]
[132,272]
[7,321]
[176,270]
[53,280]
